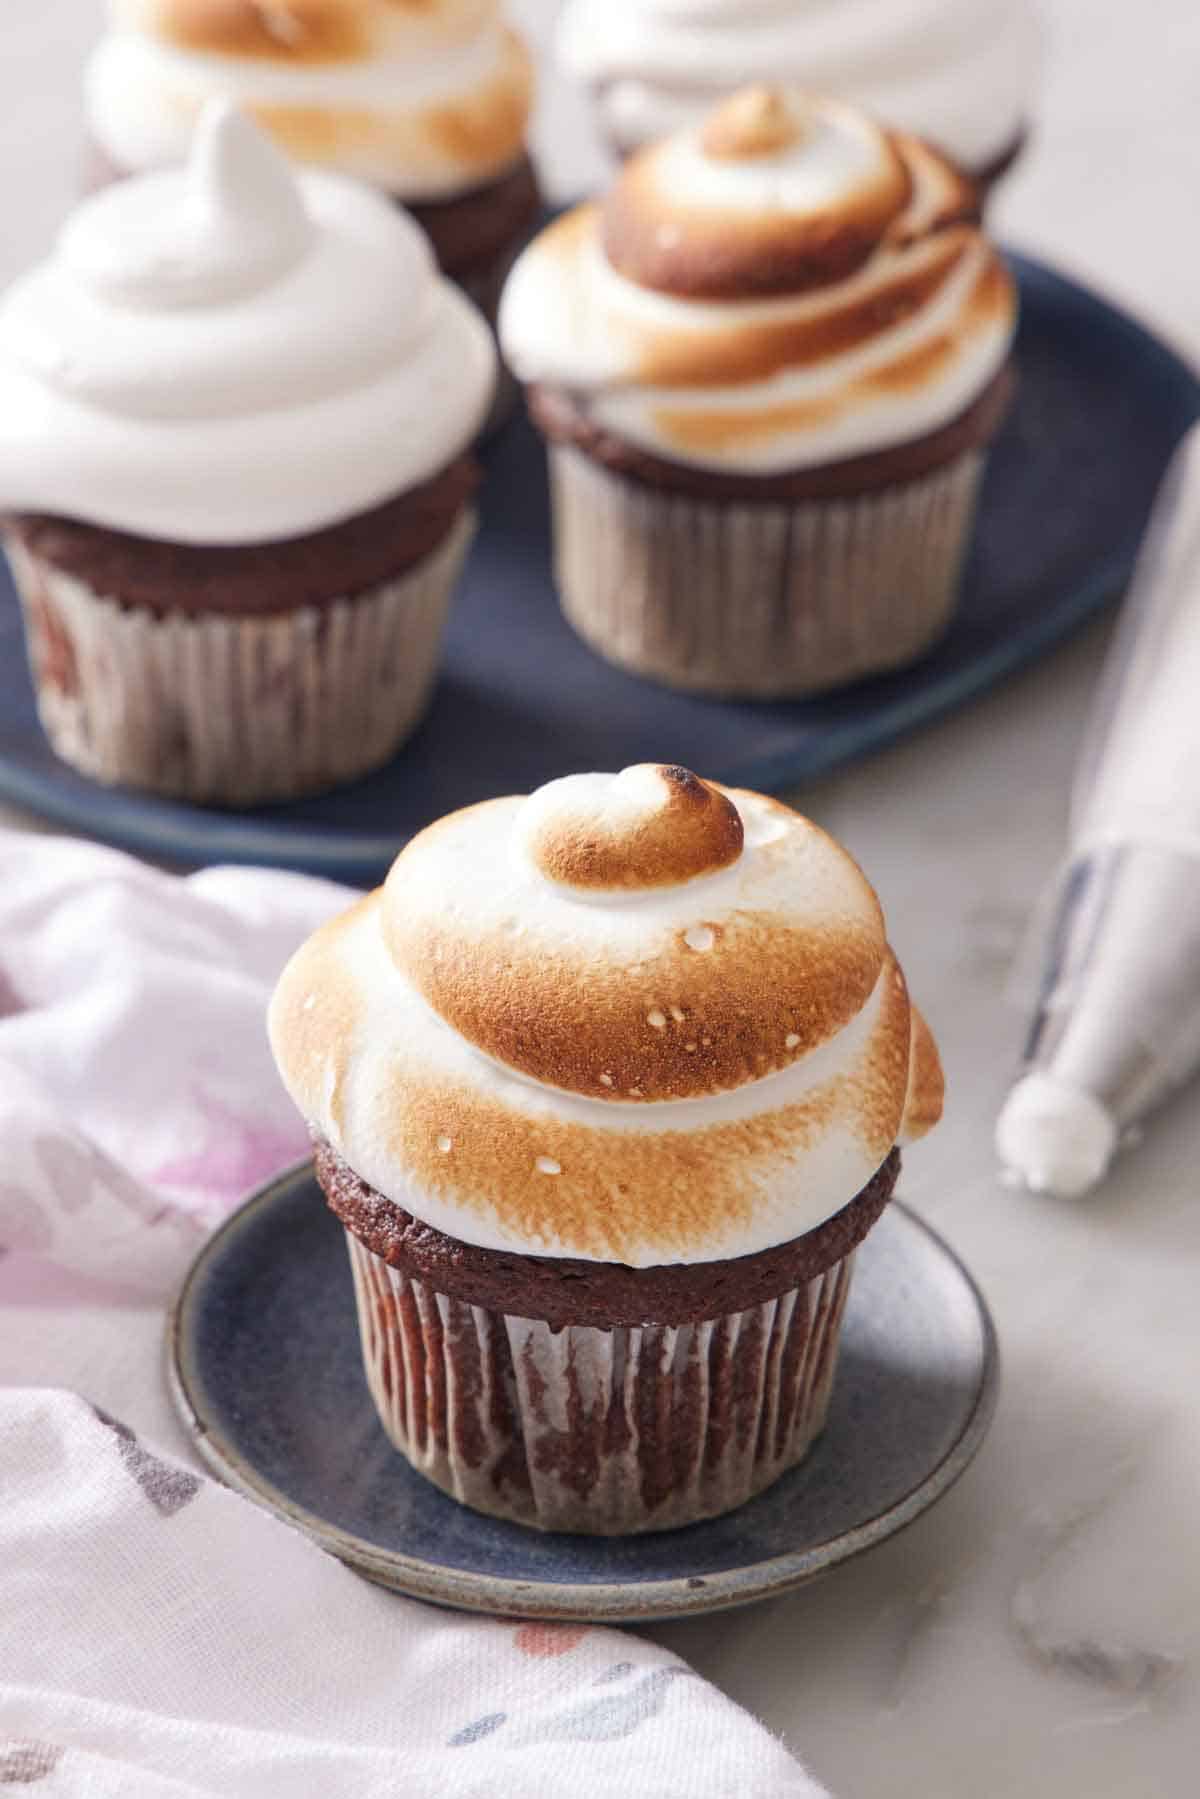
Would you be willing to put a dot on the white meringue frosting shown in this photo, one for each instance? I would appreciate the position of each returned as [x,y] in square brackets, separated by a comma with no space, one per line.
[633,1018]
[232,353]
[785,286]
[957,72]
[426,100]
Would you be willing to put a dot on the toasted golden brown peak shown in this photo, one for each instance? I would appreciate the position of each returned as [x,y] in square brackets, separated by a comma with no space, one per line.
[756,121]
[779,193]
[654,826]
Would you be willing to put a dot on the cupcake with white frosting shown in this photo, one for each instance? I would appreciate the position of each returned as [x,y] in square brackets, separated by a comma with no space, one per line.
[956,72]
[606,1085]
[768,365]
[429,102]
[236,409]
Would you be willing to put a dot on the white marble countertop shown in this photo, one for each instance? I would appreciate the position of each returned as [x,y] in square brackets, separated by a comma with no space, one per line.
[1038,1633]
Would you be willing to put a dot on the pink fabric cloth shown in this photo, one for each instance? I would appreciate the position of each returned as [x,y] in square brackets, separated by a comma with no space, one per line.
[159,1635]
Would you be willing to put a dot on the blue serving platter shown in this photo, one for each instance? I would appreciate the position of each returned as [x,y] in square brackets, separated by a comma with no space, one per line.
[1101,405]
[265,1370]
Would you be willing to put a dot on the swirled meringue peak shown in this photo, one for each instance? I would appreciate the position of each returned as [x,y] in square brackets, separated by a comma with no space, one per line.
[633,1018]
[957,72]
[426,100]
[783,286]
[647,828]
[239,224]
[233,353]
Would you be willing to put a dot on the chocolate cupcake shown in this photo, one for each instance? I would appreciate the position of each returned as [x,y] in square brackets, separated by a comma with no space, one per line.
[956,72]
[768,365]
[606,1085]
[236,409]
[429,102]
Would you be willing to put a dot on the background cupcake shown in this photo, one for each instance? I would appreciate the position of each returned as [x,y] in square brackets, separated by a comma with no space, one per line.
[957,72]
[605,1085]
[234,411]
[767,364]
[430,102]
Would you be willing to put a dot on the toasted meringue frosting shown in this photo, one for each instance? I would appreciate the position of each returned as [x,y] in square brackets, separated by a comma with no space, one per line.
[784,286]
[426,100]
[234,353]
[633,1018]
[957,72]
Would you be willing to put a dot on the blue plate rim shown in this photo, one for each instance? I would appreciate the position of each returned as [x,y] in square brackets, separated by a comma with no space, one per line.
[615,1602]
[194,836]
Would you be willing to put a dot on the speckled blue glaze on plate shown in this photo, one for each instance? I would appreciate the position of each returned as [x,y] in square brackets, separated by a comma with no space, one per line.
[1101,406]
[264,1367]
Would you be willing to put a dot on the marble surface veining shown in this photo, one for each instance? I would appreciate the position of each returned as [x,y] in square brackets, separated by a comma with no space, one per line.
[1037,1634]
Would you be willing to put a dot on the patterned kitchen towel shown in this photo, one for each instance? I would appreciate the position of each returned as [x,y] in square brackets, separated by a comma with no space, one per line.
[160,1636]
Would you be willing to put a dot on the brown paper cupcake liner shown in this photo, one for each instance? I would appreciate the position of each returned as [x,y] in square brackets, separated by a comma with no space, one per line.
[604,1431]
[760,600]
[234,709]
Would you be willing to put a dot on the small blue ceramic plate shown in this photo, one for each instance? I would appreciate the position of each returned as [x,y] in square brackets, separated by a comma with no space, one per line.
[1101,406]
[264,1367]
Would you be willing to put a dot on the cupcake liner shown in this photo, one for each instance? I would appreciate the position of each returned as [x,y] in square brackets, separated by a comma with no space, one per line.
[760,600]
[605,1431]
[234,709]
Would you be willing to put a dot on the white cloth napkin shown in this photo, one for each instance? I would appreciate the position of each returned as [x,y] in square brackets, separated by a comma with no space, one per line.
[159,1635]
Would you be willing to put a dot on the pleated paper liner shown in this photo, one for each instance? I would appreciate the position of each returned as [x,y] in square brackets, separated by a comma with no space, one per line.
[761,600]
[604,1431]
[235,709]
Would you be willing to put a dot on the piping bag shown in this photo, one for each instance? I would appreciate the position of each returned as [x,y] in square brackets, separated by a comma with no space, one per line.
[1117,1025]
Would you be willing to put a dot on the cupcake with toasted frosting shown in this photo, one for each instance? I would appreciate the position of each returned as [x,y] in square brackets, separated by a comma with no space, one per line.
[606,1085]
[768,364]
[235,473]
[956,72]
[430,103]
